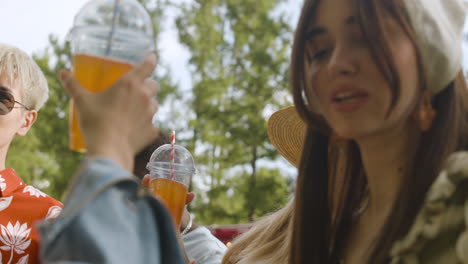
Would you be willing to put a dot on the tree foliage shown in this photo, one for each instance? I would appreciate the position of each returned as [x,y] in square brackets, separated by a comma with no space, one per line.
[229,207]
[239,67]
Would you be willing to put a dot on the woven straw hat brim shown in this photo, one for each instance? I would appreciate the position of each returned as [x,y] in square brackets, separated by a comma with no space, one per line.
[286,131]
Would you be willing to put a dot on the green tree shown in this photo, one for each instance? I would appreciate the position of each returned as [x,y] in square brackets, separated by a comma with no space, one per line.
[271,194]
[239,66]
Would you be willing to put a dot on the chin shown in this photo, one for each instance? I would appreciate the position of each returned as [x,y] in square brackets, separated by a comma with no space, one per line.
[352,133]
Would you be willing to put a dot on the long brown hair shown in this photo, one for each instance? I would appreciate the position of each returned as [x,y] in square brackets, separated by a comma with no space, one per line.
[319,235]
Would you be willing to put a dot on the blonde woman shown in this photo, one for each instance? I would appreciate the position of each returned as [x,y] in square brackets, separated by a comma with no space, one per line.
[23,91]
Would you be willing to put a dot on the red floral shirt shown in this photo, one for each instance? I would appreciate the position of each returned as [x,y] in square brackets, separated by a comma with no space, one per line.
[21,206]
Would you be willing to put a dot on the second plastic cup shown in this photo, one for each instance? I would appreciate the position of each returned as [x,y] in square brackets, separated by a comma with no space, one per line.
[170,181]
[108,38]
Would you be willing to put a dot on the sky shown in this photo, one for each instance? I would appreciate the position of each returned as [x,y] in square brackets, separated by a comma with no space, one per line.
[28,23]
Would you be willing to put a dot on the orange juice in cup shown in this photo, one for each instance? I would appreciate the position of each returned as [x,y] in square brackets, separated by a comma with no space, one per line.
[173,194]
[108,37]
[95,74]
[170,180]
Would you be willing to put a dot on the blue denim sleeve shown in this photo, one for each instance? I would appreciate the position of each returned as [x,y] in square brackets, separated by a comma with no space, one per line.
[106,220]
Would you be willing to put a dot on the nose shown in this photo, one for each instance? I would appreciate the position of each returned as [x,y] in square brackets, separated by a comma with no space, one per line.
[343,62]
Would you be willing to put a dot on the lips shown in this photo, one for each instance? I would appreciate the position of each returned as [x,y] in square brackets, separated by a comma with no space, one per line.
[348,96]
[349,99]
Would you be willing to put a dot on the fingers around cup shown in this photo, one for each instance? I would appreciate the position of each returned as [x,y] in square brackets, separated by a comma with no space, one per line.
[152,86]
[70,84]
[146,68]
[146,180]
[190,197]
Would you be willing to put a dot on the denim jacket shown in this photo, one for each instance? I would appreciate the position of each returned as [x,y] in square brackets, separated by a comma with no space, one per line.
[106,220]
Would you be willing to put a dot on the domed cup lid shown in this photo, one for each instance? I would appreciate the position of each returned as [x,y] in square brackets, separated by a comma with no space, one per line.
[114,19]
[183,160]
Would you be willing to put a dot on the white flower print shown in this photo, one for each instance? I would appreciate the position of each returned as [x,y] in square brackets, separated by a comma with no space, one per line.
[33,191]
[15,238]
[5,202]
[2,183]
[53,212]
[23,260]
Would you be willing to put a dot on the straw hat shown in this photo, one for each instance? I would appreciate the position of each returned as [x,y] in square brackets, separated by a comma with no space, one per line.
[286,131]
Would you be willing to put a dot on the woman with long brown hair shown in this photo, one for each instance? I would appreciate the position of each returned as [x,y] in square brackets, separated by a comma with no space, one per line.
[383,176]
[381,88]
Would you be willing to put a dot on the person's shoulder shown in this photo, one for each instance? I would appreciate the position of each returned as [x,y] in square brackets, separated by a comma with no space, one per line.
[51,207]
[439,233]
[202,234]
[42,204]
[202,239]
[203,247]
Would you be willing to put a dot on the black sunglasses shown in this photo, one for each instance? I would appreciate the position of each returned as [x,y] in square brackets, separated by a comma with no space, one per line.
[7,101]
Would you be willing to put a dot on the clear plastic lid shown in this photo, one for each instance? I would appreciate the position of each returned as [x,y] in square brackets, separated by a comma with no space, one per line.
[124,18]
[161,159]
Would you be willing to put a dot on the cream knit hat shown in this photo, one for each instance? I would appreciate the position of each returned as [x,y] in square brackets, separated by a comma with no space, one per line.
[439,31]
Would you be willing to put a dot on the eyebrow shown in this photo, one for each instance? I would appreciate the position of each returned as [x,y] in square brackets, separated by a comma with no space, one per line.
[6,88]
[316,31]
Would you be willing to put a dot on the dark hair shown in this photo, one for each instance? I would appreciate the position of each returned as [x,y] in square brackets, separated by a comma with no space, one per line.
[142,158]
[324,209]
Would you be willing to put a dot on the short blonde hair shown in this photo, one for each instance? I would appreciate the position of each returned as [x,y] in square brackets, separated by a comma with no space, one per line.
[17,66]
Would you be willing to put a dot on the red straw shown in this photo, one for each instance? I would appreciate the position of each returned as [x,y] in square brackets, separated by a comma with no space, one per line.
[172,154]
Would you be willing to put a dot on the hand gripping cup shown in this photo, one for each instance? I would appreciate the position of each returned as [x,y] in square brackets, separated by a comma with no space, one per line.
[108,38]
[170,180]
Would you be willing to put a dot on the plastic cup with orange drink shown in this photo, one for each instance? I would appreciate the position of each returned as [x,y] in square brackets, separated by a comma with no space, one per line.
[108,38]
[170,178]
